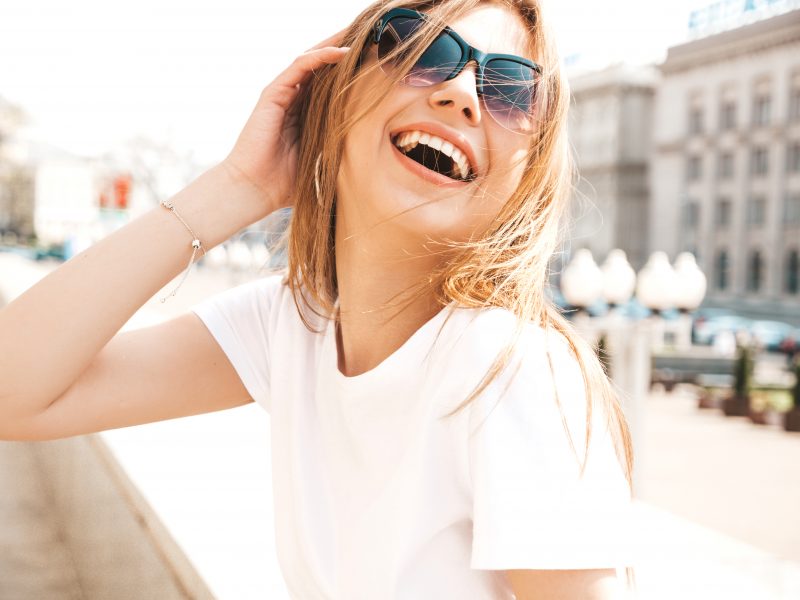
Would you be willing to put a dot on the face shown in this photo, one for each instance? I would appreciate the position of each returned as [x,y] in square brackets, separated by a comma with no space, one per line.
[382,190]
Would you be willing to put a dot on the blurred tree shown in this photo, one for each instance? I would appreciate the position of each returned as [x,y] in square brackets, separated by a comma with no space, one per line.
[738,404]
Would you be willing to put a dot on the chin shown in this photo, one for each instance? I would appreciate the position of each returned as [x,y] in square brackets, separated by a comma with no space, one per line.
[403,207]
[420,217]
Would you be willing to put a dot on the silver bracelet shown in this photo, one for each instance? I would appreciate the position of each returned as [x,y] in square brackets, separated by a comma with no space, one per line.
[196,244]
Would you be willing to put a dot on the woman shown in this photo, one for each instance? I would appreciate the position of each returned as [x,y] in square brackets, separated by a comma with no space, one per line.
[431,411]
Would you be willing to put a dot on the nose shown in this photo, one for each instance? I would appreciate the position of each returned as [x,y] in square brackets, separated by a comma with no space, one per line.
[459,95]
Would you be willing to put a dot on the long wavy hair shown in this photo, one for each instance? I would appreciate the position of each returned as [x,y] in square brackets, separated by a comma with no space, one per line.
[508,265]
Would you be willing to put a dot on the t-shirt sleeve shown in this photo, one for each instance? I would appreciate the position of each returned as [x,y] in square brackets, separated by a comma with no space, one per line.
[238,319]
[531,510]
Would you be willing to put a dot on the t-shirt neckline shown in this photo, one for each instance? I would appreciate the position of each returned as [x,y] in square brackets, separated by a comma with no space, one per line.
[394,368]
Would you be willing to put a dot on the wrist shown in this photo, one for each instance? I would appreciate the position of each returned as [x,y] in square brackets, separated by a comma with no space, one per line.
[248,190]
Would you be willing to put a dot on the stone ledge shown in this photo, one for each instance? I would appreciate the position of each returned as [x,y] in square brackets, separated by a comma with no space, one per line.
[119,548]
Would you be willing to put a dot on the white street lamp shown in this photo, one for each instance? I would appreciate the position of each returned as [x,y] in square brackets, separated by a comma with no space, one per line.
[656,284]
[690,291]
[656,289]
[216,257]
[619,278]
[239,256]
[691,282]
[582,280]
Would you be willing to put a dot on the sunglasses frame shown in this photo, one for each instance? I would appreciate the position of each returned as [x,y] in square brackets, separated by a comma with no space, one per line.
[468,53]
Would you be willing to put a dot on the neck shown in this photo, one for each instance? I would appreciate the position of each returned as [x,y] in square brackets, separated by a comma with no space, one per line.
[377,275]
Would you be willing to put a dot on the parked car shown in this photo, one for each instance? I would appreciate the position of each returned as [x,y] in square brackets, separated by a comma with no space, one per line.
[770,334]
[703,314]
[53,251]
[706,330]
[25,252]
[790,344]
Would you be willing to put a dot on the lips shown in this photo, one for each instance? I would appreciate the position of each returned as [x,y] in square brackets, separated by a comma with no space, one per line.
[457,139]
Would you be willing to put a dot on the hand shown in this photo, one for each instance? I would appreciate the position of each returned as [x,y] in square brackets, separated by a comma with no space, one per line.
[265,153]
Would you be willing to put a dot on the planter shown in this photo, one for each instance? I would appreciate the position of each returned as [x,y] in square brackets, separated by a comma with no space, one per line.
[736,406]
[759,417]
[709,398]
[791,421]
[767,416]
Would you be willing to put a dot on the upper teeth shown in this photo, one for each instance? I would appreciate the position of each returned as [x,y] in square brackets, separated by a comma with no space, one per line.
[409,139]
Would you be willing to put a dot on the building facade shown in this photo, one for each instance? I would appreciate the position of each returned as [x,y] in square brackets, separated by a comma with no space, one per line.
[609,130]
[16,179]
[725,176]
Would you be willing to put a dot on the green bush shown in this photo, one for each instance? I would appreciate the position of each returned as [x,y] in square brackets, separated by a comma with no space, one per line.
[796,390]
[743,374]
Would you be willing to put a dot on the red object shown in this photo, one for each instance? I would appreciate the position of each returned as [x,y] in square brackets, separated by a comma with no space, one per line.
[122,188]
[789,344]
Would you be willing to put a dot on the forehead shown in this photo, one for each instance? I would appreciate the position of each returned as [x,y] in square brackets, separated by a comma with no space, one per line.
[496,29]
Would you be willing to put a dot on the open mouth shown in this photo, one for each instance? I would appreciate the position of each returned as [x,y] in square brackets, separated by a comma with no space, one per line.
[436,154]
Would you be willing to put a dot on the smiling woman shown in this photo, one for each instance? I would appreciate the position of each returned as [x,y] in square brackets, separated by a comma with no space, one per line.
[438,428]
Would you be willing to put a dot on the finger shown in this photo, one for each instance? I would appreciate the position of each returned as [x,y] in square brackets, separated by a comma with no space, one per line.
[334,40]
[304,64]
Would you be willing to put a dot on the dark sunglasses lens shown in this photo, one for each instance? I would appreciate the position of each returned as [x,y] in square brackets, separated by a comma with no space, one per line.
[509,92]
[433,66]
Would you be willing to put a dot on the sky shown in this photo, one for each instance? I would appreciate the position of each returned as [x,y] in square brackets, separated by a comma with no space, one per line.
[91,74]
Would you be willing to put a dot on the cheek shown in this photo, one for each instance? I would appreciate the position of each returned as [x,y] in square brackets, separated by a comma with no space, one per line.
[505,179]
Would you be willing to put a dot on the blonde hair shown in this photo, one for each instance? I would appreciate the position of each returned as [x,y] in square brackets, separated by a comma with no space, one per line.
[509,265]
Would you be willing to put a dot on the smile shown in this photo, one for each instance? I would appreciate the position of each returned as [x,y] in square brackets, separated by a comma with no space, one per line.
[435,154]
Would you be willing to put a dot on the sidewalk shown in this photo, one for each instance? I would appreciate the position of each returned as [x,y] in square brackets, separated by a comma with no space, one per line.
[718,503]
[725,473]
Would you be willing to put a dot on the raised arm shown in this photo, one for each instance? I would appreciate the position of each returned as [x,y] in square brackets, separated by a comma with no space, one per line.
[64,370]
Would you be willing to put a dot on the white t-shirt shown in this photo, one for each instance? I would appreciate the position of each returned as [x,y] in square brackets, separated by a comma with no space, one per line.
[377,497]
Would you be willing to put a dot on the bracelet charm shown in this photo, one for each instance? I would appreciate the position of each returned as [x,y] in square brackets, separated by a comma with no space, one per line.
[196,245]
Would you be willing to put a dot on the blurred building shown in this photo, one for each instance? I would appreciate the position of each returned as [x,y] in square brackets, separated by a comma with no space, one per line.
[610,131]
[16,178]
[725,176]
[76,204]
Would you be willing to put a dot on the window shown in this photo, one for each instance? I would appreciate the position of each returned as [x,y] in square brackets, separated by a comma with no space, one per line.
[794,104]
[793,157]
[755,268]
[691,214]
[791,208]
[723,213]
[722,270]
[725,165]
[727,116]
[695,120]
[792,279]
[756,209]
[759,161]
[761,110]
[694,168]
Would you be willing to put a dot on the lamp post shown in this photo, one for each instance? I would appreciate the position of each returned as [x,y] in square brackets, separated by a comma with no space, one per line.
[656,289]
[628,342]
[690,292]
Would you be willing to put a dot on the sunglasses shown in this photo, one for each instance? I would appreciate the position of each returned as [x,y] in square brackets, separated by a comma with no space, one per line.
[507,84]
